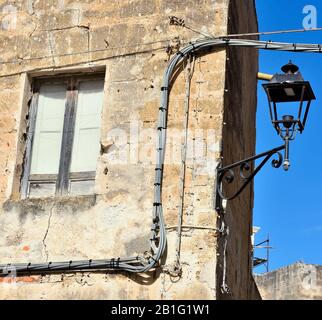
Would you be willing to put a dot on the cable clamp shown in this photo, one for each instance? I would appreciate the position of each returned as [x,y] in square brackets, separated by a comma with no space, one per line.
[193,47]
[267,42]
[6,270]
[179,53]
[164,88]
[152,257]
[115,263]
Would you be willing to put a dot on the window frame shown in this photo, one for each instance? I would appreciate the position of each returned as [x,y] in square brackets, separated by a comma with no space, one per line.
[63,179]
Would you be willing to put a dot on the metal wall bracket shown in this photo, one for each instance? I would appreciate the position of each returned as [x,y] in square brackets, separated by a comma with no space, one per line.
[227,174]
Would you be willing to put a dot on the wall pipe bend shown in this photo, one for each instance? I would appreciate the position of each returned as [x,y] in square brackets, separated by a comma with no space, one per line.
[148,261]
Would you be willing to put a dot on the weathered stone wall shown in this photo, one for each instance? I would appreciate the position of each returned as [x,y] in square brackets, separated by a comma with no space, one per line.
[132,41]
[239,131]
[298,281]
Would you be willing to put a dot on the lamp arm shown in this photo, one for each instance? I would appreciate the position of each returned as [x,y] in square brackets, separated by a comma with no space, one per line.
[226,174]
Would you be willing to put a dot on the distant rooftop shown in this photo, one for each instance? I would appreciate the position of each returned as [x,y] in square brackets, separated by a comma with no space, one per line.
[299,281]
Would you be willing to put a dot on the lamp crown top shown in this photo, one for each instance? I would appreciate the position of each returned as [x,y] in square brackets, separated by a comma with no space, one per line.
[290,68]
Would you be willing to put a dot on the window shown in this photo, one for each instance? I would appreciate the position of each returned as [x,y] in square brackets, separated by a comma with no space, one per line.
[63,136]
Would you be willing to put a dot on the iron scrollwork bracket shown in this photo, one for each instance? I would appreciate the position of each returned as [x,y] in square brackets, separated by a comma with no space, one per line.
[227,175]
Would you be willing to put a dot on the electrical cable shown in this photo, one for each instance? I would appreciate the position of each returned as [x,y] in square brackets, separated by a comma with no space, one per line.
[189,70]
[181,23]
[19,61]
[267,45]
[82,63]
[150,260]
[265,33]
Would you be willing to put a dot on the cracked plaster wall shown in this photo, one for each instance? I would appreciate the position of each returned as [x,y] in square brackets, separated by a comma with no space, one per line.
[133,41]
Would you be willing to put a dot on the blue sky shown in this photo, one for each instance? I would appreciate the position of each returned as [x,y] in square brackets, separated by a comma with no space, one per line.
[288,205]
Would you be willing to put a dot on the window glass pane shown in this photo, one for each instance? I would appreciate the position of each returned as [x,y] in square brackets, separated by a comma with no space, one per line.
[82,187]
[49,128]
[38,189]
[86,145]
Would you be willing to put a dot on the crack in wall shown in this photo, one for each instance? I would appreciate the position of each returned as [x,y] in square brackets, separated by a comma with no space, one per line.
[46,233]
[65,28]
[51,48]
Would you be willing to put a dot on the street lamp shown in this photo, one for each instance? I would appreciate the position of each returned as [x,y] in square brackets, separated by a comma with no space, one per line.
[286,88]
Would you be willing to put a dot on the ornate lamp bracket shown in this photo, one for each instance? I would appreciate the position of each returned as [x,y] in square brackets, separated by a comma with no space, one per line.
[226,175]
